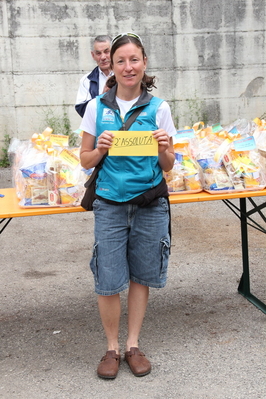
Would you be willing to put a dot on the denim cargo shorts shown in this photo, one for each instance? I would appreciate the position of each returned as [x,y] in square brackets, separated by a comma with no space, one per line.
[131,243]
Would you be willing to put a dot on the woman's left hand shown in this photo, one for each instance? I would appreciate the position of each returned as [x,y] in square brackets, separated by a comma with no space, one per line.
[163,139]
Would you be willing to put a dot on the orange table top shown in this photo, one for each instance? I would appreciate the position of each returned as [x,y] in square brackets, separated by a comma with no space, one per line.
[9,206]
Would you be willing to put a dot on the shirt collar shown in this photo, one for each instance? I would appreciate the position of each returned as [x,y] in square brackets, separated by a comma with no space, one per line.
[103,74]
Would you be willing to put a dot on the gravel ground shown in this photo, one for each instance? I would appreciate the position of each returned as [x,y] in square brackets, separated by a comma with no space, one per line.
[205,341]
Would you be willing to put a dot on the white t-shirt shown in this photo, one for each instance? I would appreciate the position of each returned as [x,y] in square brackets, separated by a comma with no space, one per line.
[163,117]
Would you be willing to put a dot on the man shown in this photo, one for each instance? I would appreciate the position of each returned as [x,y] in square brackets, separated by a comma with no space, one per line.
[92,84]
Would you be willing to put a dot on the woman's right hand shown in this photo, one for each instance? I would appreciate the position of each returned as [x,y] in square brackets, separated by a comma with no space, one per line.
[90,155]
[105,141]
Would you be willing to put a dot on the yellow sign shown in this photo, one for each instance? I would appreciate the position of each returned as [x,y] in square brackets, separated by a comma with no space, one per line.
[59,139]
[131,143]
[70,158]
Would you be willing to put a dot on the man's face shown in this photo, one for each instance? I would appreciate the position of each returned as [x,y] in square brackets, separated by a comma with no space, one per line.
[101,55]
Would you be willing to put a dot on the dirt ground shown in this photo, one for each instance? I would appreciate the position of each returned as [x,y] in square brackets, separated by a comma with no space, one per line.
[205,341]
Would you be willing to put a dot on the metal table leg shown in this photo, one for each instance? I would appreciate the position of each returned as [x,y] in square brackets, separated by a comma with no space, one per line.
[6,222]
[244,285]
[245,217]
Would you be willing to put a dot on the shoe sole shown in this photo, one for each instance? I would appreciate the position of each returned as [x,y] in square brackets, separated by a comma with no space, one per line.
[142,374]
[111,377]
[137,374]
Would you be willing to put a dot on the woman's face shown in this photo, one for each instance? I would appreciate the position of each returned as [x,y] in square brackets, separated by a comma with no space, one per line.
[129,65]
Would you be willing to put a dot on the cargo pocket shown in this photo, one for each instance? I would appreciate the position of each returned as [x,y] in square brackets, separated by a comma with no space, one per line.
[94,263]
[165,249]
[163,203]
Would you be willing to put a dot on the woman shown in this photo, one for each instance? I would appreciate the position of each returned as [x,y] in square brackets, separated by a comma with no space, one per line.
[131,208]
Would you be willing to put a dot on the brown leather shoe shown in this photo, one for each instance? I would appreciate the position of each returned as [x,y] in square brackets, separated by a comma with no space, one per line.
[109,365]
[137,362]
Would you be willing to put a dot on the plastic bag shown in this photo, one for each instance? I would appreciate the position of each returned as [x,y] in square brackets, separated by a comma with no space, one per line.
[243,165]
[185,175]
[230,165]
[214,175]
[46,172]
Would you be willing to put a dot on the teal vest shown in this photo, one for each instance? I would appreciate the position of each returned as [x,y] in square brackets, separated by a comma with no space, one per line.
[125,177]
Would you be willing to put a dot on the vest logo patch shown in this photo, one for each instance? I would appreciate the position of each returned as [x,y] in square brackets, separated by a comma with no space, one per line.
[108,115]
[143,113]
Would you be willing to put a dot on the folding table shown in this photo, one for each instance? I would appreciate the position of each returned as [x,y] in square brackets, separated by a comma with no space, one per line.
[9,208]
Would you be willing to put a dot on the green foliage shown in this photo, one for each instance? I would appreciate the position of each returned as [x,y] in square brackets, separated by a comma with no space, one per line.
[4,162]
[193,112]
[60,124]
[173,106]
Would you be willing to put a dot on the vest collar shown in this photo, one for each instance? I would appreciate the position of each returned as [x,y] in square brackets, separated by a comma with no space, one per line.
[109,98]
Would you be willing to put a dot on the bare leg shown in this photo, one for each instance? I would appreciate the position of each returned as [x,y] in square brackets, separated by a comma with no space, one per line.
[110,310]
[137,303]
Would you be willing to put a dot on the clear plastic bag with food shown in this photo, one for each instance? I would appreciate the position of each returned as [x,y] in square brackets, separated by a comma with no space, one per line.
[46,172]
[215,177]
[185,175]
[243,165]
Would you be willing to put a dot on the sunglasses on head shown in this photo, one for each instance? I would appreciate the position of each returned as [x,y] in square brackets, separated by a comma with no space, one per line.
[131,34]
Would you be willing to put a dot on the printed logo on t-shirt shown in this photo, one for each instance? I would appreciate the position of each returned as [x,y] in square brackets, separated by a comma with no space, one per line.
[108,115]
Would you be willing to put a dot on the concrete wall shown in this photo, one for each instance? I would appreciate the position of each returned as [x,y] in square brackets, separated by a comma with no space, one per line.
[209,56]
